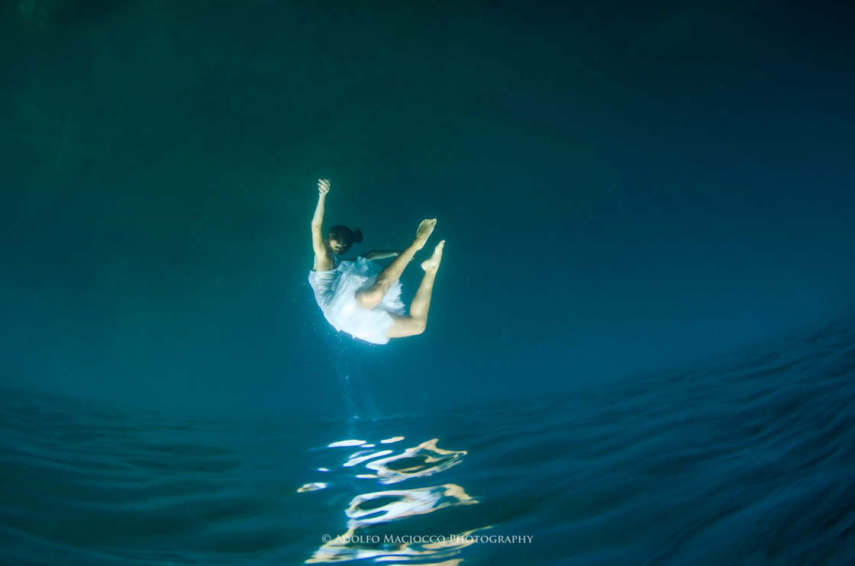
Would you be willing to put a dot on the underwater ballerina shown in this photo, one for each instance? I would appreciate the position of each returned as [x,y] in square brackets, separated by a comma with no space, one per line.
[356,296]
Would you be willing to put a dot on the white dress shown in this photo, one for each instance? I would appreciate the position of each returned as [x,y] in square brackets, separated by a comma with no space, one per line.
[335,292]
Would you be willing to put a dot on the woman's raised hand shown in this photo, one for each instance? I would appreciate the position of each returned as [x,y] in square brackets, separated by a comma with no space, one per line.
[323,186]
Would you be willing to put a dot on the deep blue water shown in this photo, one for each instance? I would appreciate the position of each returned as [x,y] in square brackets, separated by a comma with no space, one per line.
[745,459]
[624,188]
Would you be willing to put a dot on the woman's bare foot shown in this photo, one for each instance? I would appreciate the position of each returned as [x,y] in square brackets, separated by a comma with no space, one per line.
[424,231]
[432,264]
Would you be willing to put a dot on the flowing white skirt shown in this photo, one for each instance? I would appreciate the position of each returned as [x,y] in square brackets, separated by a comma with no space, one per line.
[335,292]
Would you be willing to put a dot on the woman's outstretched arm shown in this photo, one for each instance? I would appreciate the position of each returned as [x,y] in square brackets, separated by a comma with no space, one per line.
[323,261]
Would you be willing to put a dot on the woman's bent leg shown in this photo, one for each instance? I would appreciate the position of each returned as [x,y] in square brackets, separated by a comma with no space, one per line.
[404,326]
[417,321]
[370,297]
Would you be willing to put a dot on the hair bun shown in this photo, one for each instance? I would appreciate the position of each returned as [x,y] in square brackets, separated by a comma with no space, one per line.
[357,235]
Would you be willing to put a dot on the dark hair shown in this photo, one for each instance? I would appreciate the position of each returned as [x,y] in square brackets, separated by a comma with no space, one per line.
[345,235]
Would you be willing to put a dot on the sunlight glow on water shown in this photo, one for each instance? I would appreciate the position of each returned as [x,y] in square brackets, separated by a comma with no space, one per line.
[397,508]
[745,460]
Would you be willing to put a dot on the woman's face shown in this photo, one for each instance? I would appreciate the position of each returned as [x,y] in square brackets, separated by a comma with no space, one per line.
[337,247]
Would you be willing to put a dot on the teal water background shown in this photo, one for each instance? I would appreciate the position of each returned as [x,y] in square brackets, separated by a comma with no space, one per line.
[626,190]
[744,460]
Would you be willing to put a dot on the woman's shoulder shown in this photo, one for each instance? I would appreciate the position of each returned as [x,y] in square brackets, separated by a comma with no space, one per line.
[336,262]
